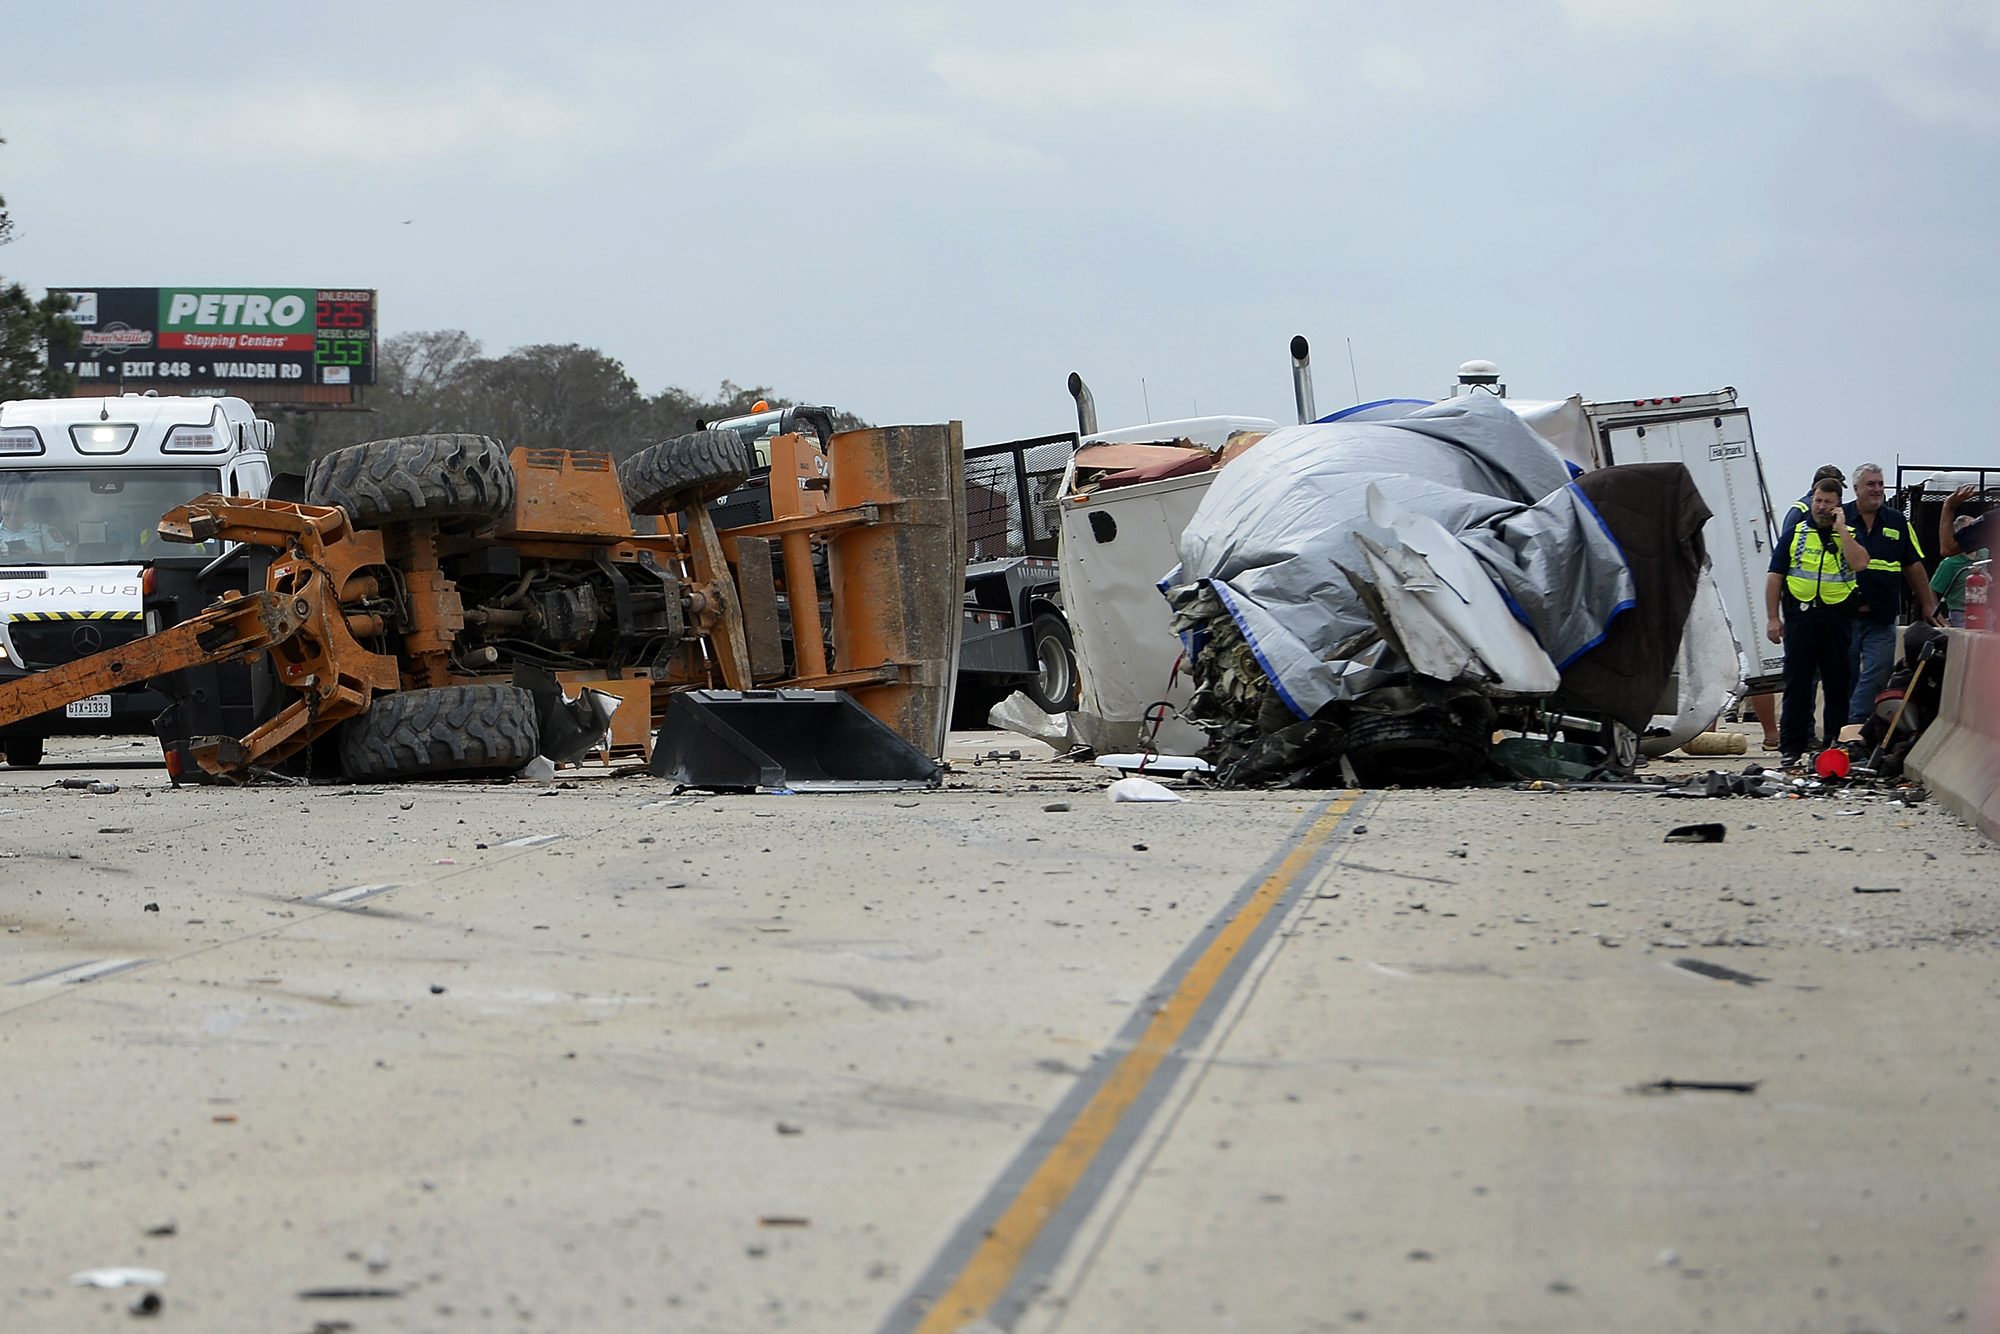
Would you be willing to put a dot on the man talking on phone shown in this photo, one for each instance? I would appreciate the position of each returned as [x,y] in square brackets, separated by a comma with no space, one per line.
[1811,580]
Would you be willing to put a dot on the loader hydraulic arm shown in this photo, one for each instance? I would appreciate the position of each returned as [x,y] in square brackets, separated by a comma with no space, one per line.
[298,618]
[237,627]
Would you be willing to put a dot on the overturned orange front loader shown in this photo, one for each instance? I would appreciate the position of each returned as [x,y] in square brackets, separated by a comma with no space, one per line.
[442,577]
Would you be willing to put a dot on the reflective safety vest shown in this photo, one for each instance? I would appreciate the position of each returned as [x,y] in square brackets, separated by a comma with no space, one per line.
[1819,571]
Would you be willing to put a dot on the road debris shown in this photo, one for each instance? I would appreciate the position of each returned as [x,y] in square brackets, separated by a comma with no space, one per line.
[1720,972]
[1696,833]
[146,1303]
[1159,764]
[1139,789]
[1700,1086]
[346,1294]
[1884,889]
[119,1276]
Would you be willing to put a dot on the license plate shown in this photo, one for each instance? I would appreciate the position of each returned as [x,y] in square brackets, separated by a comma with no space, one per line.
[97,706]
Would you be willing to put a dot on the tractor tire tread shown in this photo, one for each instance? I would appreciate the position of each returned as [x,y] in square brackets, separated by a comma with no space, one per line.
[460,729]
[446,477]
[686,470]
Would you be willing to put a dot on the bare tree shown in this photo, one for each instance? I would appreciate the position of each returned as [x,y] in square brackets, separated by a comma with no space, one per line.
[556,395]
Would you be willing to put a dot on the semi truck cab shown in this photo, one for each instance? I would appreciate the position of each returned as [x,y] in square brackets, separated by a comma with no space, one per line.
[83,482]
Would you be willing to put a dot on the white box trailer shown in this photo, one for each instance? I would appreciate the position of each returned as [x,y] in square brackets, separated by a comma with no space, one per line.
[1114,547]
[1711,434]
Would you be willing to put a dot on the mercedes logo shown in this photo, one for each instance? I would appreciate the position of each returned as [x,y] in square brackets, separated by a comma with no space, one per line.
[87,639]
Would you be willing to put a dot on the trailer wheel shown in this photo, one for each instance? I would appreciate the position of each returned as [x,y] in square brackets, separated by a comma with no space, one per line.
[684,471]
[1429,749]
[458,730]
[1054,688]
[464,480]
[24,752]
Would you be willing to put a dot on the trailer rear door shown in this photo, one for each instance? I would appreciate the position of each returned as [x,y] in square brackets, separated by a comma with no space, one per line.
[1719,451]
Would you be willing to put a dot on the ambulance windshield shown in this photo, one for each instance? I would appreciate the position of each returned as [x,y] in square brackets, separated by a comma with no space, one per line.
[95,516]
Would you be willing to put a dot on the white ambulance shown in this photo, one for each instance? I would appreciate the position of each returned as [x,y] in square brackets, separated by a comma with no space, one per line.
[83,483]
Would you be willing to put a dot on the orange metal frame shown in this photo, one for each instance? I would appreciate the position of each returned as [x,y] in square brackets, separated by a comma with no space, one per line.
[321,599]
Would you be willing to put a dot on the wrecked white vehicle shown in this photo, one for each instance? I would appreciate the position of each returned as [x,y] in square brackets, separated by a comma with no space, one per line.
[1373,600]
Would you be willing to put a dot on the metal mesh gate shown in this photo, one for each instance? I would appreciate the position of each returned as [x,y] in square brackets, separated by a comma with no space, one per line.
[997,477]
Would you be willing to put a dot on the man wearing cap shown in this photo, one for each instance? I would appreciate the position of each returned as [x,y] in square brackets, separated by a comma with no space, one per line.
[1803,505]
[1811,579]
[1894,559]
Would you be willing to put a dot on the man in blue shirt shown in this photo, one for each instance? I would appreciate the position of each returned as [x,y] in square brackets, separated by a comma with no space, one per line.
[1894,558]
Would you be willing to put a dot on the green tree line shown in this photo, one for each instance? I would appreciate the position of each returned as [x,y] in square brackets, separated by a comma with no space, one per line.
[549,395]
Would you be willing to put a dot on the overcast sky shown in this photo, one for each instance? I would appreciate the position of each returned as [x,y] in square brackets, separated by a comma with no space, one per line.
[931,211]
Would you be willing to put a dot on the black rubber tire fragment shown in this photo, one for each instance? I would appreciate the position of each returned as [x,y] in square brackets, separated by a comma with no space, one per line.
[687,470]
[463,480]
[459,730]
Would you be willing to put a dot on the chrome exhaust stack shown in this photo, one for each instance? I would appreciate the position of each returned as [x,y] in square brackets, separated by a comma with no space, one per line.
[1302,380]
[1086,406]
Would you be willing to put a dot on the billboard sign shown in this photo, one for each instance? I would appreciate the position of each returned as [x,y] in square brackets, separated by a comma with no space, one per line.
[221,336]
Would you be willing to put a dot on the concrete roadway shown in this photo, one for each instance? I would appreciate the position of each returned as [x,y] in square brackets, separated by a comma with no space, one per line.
[603,1058]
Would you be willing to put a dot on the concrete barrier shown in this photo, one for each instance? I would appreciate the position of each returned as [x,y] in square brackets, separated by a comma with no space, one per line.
[1958,756]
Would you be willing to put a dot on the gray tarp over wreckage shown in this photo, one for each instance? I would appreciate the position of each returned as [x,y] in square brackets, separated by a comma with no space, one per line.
[1278,526]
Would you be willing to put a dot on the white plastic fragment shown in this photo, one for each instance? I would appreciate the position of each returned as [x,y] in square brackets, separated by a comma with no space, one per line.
[541,769]
[1020,715]
[115,1277]
[1139,789]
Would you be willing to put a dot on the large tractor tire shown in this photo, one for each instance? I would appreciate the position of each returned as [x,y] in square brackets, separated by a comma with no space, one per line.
[460,731]
[1054,689]
[687,470]
[1428,749]
[464,481]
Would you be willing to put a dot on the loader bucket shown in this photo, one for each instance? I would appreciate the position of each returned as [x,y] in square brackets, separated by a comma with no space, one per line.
[899,583]
[805,740]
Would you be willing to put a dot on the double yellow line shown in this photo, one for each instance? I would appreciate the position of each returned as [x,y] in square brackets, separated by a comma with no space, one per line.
[993,1264]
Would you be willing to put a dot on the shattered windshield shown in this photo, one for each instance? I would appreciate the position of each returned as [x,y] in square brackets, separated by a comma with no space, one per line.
[95,516]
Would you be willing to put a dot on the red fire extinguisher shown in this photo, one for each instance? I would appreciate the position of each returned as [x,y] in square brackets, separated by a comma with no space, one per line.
[1976,615]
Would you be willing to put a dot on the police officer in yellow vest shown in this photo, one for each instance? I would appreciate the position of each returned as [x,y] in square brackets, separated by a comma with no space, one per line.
[1811,577]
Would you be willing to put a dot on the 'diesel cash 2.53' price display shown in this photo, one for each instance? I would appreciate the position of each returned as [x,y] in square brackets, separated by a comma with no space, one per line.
[344,338]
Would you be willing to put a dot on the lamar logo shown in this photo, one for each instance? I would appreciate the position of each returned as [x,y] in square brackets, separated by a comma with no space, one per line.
[235,309]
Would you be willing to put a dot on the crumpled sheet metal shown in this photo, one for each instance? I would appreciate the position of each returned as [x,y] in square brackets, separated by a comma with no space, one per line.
[1448,618]
[1278,528]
